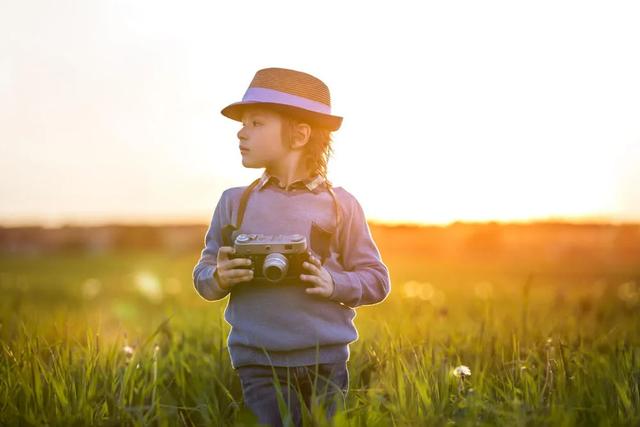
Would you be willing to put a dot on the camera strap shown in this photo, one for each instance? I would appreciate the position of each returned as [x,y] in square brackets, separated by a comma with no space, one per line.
[229,229]
[243,202]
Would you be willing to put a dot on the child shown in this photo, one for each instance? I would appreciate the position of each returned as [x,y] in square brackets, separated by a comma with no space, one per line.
[297,332]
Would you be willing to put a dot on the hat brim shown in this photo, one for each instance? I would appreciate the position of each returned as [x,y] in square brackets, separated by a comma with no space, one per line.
[234,111]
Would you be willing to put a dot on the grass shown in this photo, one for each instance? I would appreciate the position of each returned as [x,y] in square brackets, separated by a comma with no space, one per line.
[555,347]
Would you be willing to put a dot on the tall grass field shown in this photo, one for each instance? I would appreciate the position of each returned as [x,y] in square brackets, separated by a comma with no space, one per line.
[123,339]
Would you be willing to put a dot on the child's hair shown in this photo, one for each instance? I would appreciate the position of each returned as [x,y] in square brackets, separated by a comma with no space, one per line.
[317,151]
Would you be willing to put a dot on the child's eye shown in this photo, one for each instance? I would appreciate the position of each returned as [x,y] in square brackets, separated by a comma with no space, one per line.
[253,123]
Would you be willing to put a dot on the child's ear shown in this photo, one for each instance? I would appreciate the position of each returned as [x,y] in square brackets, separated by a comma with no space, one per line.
[301,135]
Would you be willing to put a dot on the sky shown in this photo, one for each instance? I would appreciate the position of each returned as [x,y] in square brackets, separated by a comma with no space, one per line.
[453,111]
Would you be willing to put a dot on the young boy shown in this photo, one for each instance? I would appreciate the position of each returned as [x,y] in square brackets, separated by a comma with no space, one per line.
[297,332]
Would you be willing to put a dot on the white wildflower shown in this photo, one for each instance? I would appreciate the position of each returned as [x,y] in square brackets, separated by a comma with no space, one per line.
[461,371]
[128,351]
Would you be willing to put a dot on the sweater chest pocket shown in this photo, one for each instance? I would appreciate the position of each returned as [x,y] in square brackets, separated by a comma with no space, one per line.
[320,240]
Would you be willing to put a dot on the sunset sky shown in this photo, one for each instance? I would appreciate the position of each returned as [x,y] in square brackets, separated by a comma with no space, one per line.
[468,111]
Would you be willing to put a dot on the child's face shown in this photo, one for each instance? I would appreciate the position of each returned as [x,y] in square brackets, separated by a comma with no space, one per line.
[260,138]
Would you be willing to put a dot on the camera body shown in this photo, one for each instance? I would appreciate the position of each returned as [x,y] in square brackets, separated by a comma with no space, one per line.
[275,258]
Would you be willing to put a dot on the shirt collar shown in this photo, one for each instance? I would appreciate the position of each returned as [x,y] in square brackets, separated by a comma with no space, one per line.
[313,183]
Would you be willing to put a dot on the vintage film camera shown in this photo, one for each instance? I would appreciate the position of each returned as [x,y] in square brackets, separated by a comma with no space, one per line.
[275,258]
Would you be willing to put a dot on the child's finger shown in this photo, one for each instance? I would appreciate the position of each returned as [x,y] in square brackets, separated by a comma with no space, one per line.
[238,272]
[234,279]
[312,268]
[310,278]
[238,262]
[224,252]
[315,260]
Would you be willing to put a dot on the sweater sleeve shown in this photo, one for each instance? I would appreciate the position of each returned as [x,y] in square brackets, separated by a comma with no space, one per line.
[204,279]
[365,279]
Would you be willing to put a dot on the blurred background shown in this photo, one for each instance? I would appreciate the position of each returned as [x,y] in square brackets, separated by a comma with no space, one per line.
[494,146]
[452,112]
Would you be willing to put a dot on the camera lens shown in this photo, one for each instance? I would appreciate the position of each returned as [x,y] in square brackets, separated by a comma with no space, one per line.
[275,266]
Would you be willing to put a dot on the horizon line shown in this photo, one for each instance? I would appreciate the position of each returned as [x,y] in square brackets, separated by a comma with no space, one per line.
[371,222]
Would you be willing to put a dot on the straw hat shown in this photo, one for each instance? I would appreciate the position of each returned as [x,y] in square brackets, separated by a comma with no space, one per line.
[293,92]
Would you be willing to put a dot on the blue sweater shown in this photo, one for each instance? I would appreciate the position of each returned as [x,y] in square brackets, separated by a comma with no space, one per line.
[281,325]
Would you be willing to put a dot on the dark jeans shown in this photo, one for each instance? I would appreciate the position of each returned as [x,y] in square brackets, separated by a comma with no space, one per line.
[259,390]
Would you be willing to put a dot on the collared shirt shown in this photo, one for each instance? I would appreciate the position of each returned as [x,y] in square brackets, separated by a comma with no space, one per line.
[313,184]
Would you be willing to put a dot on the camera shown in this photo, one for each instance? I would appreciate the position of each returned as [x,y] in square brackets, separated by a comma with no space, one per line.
[276,258]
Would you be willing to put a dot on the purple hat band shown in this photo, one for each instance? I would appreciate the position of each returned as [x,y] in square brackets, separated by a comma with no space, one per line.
[262,94]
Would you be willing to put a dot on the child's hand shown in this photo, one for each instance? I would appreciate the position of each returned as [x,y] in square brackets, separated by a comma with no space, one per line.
[319,277]
[227,274]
